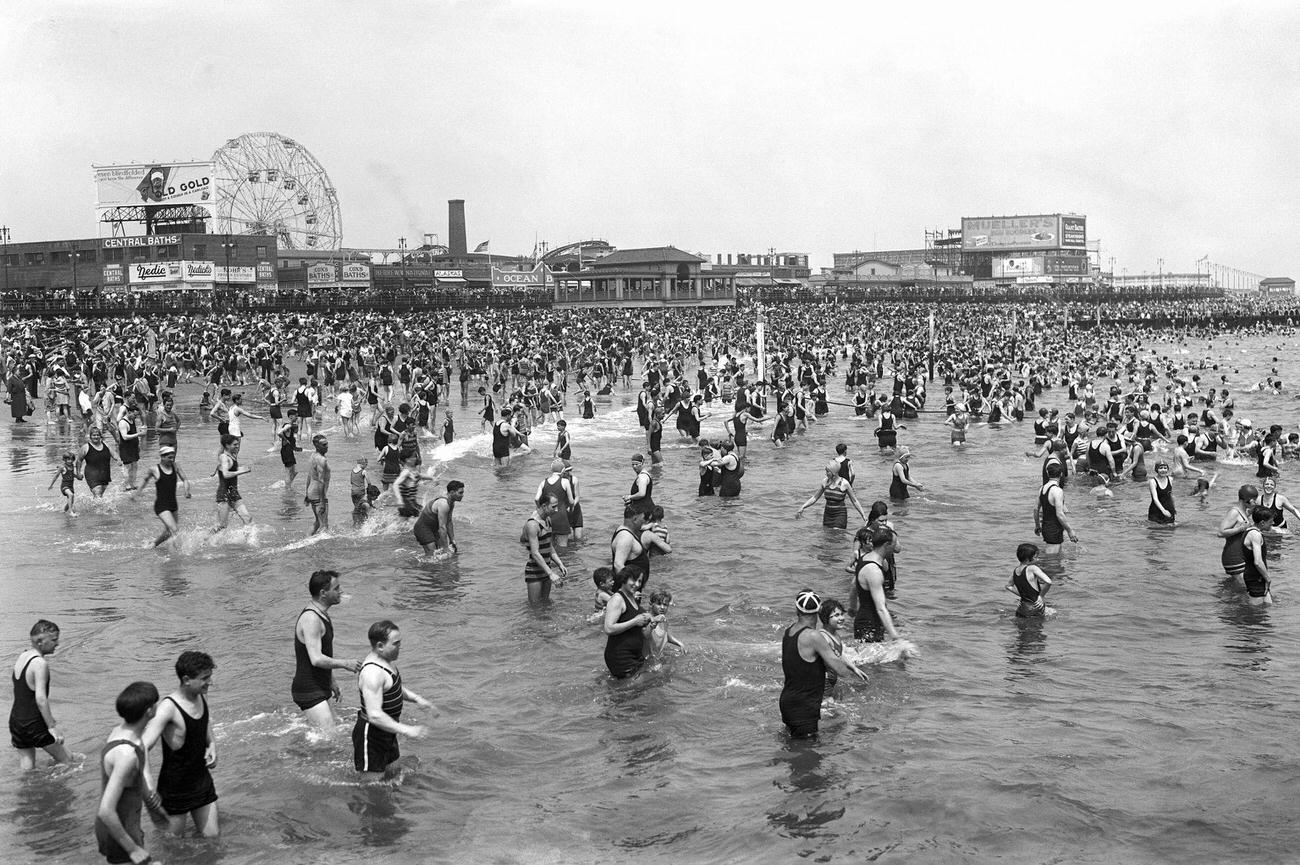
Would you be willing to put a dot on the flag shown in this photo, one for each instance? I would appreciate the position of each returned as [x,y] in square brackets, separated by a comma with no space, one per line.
[482,247]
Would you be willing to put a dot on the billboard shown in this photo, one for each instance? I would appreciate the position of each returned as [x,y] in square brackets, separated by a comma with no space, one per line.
[113,274]
[356,272]
[145,240]
[1011,232]
[168,183]
[1074,231]
[322,275]
[197,271]
[1021,265]
[144,272]
[234,275]
[533,279]
[1066,265]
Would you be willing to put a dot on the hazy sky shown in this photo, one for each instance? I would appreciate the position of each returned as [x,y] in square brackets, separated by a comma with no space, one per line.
[734,127]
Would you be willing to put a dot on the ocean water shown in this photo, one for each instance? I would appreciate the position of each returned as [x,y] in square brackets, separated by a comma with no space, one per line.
[1148,719]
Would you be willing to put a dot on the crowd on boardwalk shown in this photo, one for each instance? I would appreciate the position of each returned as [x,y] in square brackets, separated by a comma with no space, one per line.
[114,383]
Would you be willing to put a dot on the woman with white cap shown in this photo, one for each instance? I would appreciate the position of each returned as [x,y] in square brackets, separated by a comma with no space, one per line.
[164,475]
[902,475]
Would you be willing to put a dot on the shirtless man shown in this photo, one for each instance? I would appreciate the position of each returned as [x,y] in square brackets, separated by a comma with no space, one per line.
[183,724]
[31,721]
[374,738]
[318,484]
[313,650]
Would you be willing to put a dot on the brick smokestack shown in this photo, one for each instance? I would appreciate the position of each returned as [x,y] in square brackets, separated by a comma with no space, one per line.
[456,226]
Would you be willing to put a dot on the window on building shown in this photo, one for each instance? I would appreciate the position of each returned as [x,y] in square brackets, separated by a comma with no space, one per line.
[200,251]
[60,256]
[11,259]
[261,253]
[35,258]
[169,253]
[89,254]
[139,253]
[114,254]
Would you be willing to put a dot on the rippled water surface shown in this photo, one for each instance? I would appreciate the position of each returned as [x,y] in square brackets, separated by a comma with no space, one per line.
[1149,720]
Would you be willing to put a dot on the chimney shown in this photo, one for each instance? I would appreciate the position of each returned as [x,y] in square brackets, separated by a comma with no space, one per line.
[456,226]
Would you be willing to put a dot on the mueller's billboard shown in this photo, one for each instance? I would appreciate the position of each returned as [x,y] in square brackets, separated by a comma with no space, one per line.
[159,183]
[1021,232]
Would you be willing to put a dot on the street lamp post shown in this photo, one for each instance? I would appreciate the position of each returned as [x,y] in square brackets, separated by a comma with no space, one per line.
[228,245]
[4,238]
[401,245]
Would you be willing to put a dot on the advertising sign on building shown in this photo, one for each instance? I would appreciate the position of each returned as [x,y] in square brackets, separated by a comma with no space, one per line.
[235,275]
[155,272]
[322,274]
[535,278]
[265,271]
[198,271]
[449,274]
[1074,231]
[113,274]
[1024,265]
[356,273]
[146,240]
[1066,265]
[1011,232]
[169,183]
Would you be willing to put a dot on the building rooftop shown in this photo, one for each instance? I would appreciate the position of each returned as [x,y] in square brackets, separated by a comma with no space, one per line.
[648,255]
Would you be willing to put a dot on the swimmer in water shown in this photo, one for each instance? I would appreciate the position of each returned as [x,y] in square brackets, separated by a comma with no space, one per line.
[604,580]
[1255,548]
[313,649]
[1029,583]
[806,656]
[164,475]
[31,719]
[658,637]
[1049,512]
[834,618]
[125,783]
[65,477]
[189,748]
[374,737]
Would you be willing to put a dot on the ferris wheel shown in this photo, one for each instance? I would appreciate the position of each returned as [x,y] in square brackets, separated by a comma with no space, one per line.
[269,184]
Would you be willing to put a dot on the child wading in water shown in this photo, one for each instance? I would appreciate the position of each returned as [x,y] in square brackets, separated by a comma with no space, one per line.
[1029,582]
[64,477]
[657,636]
[604,580]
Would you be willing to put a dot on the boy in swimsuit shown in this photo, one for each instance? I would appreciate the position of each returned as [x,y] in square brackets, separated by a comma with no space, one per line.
[1029,583]
[604,580]
[124,781]
[657,634]
[67,474]
[183,724]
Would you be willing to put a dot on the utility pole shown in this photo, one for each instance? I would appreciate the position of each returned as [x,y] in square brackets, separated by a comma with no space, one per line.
[4,238]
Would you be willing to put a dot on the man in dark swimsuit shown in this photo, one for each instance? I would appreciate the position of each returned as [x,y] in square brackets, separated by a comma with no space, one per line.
[31,721]
[805,656]
[189,750]
[313,651]
[374,738]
